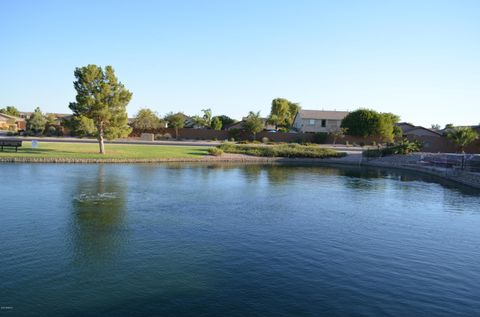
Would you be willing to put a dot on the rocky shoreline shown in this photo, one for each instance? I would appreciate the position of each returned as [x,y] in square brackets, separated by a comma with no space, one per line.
[415,163]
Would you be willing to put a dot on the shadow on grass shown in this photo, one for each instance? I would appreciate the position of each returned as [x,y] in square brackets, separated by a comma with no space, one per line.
[34,151]
[198,153]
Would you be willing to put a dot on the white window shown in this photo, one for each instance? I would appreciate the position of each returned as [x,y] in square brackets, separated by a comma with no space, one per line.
[311,122]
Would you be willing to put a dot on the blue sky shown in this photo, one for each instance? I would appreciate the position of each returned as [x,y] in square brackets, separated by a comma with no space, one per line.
[418,59]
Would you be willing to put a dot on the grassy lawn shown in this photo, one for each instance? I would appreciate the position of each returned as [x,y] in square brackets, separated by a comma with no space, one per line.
[114,151]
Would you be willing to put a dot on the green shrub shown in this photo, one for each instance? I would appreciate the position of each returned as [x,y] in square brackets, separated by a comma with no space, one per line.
[166,136]
[234,134]
[320,137]
[51,131]
[403,147]
[290,150]
[215,151]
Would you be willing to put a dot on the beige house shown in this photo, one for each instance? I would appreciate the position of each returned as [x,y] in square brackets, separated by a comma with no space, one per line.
[318,120]
[11,123]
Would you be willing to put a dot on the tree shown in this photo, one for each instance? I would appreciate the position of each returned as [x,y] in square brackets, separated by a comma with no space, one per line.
[294,109]
[366,122]
[37,122]
[102,98]
[216,124]
[279,112]
[338,134]
[51,119]
[436,127]
[207,116]
[198,122]
[175,120]
[10,110]
[226,120]
[82,126]
[462,136]
[253,123]
[449,126]
[146,119]
[386,128]
[283,112]
[204,121]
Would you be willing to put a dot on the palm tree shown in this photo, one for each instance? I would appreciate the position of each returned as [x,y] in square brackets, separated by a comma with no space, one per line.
[462,136]
[253,123]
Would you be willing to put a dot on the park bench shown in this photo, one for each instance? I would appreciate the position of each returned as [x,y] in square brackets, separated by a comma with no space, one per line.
[11,143]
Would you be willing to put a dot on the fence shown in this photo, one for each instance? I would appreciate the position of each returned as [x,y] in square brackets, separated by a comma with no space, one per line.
[438,144]
[452,162]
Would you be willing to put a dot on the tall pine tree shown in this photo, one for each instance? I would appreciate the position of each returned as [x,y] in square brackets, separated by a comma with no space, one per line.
[102,98]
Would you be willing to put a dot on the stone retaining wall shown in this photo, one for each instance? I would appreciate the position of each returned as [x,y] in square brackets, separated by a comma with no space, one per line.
[412,163]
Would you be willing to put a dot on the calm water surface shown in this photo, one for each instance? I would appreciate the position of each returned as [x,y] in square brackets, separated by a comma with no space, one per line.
[173,240]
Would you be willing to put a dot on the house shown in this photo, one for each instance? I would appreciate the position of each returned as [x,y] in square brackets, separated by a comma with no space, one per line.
[475,128]
[318,120]
[12,123]
[233,126]
[239,125]
[410,130]
[405,126]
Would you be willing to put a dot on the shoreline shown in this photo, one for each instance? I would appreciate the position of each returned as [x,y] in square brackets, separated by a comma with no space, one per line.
[225,158]
[460,177]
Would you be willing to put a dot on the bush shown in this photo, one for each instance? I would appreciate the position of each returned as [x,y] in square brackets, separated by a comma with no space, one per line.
[403,147]
[234,134]
[51,131]
[166,136]
[249,142]
[215,151]
[290,150]
[320,137]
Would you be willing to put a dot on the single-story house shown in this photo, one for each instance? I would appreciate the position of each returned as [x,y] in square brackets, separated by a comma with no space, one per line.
[318,120]
[239,125]
[409,129]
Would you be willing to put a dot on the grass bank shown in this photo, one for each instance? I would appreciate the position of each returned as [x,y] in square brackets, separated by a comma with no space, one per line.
[282,150]
[89,151]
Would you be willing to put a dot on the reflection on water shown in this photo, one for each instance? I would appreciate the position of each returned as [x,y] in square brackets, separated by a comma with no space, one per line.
[98,203]
[236,240]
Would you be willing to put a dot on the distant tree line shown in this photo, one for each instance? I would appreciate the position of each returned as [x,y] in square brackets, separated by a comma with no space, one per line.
[99,110]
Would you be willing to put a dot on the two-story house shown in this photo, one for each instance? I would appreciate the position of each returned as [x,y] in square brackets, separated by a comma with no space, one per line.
[318,120]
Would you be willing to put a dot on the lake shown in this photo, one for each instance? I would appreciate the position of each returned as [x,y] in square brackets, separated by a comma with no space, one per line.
[229,240]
